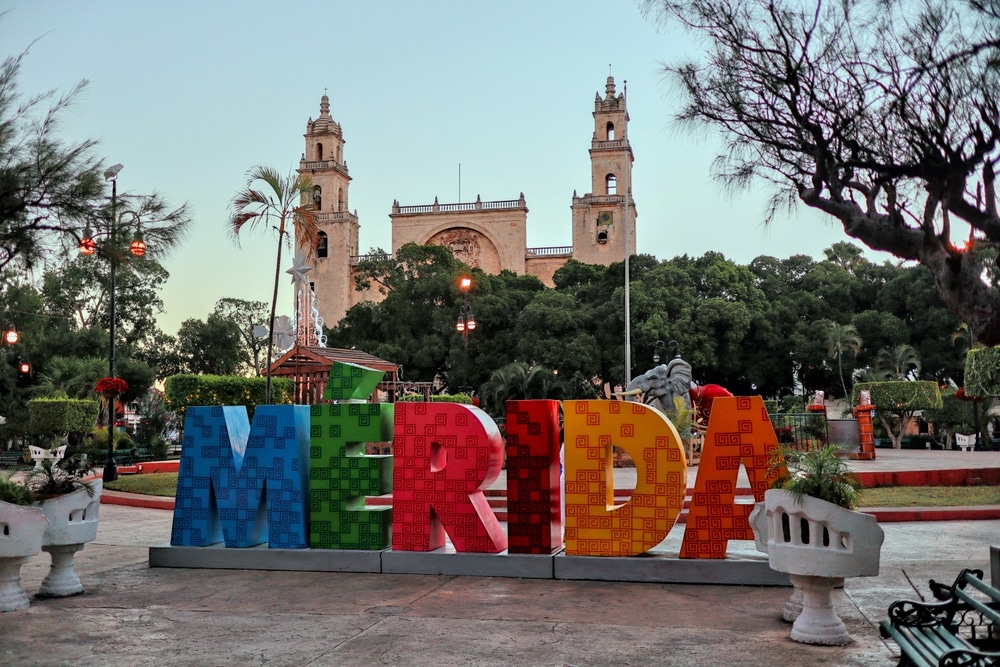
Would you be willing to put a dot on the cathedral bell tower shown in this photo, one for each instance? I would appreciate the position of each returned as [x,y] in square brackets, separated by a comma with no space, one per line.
[601,217]
[323,161]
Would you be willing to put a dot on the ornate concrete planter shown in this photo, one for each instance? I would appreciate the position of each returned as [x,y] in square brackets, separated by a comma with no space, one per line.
[818,544]
[72,523]
[21,531]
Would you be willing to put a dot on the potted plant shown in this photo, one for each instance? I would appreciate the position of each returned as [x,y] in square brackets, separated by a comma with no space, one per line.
[809,529]
[71,505]
[22,527]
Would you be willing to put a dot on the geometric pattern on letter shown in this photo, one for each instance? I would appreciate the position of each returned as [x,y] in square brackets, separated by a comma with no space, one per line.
[739,431]
[341,475]
[445,455]
[594,526]
[351,382]
[534,525]
[243,485]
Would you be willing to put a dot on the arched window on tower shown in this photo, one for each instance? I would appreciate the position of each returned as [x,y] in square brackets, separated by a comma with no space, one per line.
[319,152]
[611,131]
[318,198]
[321,245]
[612,184]
[341,204]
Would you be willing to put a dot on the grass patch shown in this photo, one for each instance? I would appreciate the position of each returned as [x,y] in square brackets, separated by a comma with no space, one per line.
[150,484]
[930,496]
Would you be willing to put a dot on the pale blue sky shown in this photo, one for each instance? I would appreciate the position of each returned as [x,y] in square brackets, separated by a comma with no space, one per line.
[190,94]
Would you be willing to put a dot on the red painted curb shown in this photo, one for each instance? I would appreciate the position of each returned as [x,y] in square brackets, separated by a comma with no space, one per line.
[956,477]
[109,497]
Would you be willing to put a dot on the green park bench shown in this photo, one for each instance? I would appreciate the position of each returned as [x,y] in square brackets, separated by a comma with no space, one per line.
[130,457]
[955,630]
[11,459]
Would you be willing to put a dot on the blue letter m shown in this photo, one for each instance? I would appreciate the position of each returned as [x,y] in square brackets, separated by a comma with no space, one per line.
[244,485]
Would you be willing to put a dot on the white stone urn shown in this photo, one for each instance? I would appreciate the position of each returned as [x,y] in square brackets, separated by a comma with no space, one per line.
[72,523]
[818,544]
[21,532]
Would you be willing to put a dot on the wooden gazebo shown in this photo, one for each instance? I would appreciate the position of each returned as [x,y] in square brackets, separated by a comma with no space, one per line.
[309,368]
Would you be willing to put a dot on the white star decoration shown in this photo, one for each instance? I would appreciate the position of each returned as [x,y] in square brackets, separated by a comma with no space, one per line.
[299,268]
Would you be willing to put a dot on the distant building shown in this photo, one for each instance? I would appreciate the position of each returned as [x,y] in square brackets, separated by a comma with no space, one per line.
[490,235]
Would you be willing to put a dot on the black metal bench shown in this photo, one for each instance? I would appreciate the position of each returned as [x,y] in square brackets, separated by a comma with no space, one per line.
[933,634]
[130,457]
[11,459]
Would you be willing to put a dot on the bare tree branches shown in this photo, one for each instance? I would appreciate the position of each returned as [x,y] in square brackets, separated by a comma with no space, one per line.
[882,113]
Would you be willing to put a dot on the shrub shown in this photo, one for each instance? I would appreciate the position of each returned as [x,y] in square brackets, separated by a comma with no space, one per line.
[820,473]
[158,448]
[184,390]
[437,398]
[99,441]
[982,372]
[56,478]
[899,400]
[900,395]
[62,415]
[14,492]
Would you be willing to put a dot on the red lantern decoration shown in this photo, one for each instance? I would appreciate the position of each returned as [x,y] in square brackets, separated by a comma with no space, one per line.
[138,245]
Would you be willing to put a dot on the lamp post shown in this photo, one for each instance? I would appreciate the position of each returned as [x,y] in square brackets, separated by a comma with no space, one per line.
[659,350]
[137,247]
[466,323]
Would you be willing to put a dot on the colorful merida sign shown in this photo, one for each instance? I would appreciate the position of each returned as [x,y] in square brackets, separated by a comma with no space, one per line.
[298,476]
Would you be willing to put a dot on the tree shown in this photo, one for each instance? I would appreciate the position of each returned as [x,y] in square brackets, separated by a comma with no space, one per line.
[842,338]
[883,114]
[211,347]
[415,324]
[73,376]
[519,381]
[48,188]
[247,315]
[287,202]
[896,402]
[898,363]
[79,290]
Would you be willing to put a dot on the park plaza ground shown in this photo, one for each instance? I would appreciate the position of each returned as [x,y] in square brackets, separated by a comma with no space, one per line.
[137,615]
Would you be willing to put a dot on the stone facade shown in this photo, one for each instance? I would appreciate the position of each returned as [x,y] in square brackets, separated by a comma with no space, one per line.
[491,235]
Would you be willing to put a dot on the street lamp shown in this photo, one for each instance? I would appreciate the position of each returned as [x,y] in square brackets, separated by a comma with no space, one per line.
[466,323]
[659,350]
[137,247]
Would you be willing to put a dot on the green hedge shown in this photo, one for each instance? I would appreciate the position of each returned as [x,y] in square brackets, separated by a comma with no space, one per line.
[437,398]
[982,372]
[900,395]
[184,390]
[62,415]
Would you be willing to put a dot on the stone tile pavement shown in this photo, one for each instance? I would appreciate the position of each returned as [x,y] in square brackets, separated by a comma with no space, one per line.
[133,615]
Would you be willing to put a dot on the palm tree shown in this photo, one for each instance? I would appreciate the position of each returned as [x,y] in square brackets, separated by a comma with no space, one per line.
[899,362]
[72,376]
[517,381]
[963,334]
[840,339]
[282,201]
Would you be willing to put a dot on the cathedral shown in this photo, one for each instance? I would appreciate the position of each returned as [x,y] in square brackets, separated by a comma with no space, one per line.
[489,235]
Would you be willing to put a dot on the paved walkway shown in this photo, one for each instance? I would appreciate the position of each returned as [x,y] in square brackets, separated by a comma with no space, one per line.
[133,615]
